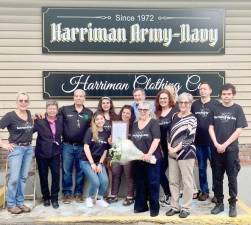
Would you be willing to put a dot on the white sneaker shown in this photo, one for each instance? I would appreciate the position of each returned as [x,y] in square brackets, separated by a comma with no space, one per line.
[102,203]
[89,202]
[165,200]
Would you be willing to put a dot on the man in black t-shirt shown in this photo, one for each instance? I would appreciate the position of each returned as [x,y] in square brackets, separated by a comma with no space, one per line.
[201,108]
[76,121]
[226,123]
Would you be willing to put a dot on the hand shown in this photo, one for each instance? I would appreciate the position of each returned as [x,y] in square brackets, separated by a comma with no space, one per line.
[172,155]
[99,168]
[8,146]
[147,157]
[179,146]
[94,167]
[39,116]
[172,151]
[169,146]
[220,148]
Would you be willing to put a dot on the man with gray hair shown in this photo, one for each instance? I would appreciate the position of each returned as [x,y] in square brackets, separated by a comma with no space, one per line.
[76,121]
[139,96]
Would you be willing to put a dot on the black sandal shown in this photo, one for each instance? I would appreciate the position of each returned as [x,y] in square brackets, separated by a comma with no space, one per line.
[112,199]
[128,201]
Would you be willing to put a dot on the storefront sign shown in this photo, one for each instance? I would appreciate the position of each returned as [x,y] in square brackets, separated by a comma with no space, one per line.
[113,30]
[62,84]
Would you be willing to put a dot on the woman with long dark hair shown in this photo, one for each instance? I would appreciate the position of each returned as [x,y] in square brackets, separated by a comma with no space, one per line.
[105,105]
[127,115]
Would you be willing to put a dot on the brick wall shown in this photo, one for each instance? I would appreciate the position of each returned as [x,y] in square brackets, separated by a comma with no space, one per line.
[3,156]
[245,154]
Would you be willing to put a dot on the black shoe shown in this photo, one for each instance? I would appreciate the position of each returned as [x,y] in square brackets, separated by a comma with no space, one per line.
[47,203]
[214,200]
[232,210]
[219,207]
[203,196]
[55,204]
[153,214]
[171,212]
[184,214]
[141,210]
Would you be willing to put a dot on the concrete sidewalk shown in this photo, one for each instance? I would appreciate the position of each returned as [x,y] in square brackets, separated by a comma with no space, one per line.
[77,213]
[117,213]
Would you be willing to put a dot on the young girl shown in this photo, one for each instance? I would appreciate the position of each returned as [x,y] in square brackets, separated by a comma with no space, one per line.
[106,106]
[95,150]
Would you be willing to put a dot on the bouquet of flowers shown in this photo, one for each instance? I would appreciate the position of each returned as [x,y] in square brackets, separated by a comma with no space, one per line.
[124,151]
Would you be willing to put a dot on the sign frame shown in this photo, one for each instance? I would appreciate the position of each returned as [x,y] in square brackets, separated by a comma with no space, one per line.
[175,75]
[116,49]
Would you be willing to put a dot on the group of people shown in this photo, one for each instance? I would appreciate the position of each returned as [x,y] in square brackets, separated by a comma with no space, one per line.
[176,130]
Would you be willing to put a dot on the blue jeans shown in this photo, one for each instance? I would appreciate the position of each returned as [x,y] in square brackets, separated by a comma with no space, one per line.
[19,162]
[98,181]
[71,156]
[203,154]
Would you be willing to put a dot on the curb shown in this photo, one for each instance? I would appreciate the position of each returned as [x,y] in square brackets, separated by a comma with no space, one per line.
[1,196]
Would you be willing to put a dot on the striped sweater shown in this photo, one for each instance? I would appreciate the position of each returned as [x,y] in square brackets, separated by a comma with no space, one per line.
[184,130]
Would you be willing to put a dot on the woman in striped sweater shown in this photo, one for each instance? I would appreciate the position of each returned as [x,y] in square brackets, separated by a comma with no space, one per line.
[182,155]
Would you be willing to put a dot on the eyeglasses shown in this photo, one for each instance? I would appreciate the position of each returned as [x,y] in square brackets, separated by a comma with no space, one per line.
[185,103]
[23,100]
[143,110]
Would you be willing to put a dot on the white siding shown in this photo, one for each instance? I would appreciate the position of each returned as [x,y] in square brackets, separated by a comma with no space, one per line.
[22,61]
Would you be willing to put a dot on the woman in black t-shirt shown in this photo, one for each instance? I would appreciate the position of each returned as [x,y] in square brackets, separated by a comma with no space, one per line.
[164,109]
[92,159]
[146,137]
[19,124]
[105,105]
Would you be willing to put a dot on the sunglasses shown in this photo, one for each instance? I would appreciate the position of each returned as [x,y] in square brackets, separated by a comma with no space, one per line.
[23,100]
[143,110]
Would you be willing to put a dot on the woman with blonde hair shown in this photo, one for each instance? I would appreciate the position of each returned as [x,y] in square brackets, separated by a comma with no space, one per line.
[19,124]
[92,159]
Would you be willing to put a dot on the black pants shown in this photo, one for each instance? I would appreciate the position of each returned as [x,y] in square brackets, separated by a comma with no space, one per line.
[147,180]
[43,168]
[163,178]
[226,162]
